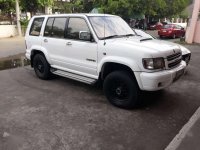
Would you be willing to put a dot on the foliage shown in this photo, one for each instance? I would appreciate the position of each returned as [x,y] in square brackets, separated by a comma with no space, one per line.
[75,6]
[24,22]
[29,6]
[45,2]
[34,5]
[123,8]
[7,6]
[184,14]
[174,7]
[151,8]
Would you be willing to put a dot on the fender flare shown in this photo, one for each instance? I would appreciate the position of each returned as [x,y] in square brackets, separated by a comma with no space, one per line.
[41,49]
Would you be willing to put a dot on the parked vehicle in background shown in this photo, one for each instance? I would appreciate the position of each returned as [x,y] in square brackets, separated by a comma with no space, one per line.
[186,54]
[166,22]
[154,25]
[171,30]
[142,33]
[102,48]
[139,24]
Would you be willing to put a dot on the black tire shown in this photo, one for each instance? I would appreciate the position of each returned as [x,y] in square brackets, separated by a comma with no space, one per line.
[160,36]
[41,67]
[121,89]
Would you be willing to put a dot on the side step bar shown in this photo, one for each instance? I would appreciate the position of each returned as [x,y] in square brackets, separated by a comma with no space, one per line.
[73,76]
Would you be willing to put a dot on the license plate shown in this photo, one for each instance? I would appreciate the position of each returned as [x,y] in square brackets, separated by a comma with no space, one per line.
[179,74]
[164,31]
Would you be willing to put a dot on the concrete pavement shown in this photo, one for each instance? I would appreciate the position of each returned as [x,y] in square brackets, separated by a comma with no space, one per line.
[11,46]
[188,137]
[62,114]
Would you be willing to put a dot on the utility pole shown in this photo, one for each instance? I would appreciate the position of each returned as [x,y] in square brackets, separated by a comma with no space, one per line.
[18,18]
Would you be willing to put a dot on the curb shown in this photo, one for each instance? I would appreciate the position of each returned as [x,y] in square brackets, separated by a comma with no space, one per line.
[174,144]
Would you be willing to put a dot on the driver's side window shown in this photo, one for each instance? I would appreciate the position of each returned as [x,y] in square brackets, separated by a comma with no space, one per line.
[76,28]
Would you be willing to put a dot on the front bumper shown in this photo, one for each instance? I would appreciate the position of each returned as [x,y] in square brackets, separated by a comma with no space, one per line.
[186,58]
[160,80]
[28,55]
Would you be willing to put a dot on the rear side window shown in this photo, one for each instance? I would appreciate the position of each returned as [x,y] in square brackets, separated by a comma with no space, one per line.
[36,26]
[48,28]
[55,27]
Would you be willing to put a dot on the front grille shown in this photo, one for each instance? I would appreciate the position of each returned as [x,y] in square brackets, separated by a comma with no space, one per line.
[175,63]
[174,56]
[174,60]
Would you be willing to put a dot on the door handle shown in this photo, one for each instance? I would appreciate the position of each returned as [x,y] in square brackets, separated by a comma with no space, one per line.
[45,40]
[69,43]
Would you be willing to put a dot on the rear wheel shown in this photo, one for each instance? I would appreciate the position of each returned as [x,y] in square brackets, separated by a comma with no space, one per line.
[121,89]
[41,67]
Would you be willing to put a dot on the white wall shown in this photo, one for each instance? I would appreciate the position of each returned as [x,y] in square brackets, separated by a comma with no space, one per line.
[8,31]
[181,24]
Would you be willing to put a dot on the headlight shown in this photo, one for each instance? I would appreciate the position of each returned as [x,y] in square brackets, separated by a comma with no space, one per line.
[153,63]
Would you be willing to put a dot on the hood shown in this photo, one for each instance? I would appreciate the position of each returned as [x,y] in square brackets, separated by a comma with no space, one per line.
[152,46]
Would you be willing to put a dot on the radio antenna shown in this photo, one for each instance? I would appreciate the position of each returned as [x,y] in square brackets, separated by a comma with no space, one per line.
[104,30]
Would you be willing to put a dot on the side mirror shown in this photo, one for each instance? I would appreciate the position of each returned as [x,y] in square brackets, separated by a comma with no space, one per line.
[85,35]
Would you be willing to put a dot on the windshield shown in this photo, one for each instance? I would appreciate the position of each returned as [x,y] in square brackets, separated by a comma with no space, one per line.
[110,26]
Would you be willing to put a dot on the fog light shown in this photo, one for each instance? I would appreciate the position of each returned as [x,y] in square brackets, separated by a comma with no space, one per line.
[159,84]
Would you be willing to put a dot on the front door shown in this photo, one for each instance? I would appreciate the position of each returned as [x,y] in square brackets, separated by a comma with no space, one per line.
[80,54]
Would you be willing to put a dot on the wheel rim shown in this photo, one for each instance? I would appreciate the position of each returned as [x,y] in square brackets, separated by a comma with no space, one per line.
[119,91]
[40,66]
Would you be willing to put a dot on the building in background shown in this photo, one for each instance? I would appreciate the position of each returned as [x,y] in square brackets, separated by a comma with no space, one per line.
[193,29]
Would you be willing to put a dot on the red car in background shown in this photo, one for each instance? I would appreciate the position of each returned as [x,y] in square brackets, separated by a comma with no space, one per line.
[154,25]
[171,30]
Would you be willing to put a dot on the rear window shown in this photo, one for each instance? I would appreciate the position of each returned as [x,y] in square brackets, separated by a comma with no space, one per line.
[36,27]
[168,26]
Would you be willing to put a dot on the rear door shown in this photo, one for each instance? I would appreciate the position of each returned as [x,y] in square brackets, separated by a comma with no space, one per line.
[54,40]
[33,36]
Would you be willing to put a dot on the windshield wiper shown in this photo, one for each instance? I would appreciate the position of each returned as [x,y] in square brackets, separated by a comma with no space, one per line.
[129,35]
[146,39]
[112,36]
[117,36]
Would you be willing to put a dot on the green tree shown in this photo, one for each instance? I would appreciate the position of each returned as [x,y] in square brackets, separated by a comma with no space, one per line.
[45,2]
[150,8]
[29,6]
[175,7]
[7,6]
[34,5]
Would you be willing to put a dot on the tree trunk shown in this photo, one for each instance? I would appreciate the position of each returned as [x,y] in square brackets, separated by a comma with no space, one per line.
[18,18]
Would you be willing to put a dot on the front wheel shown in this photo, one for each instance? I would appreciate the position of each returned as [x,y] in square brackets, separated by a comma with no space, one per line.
[121,89]
[41,67]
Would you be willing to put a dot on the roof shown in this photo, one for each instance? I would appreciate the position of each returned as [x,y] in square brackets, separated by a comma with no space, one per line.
[77,15]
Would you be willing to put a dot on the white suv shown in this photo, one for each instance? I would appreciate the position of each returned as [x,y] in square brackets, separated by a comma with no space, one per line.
[95,47]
